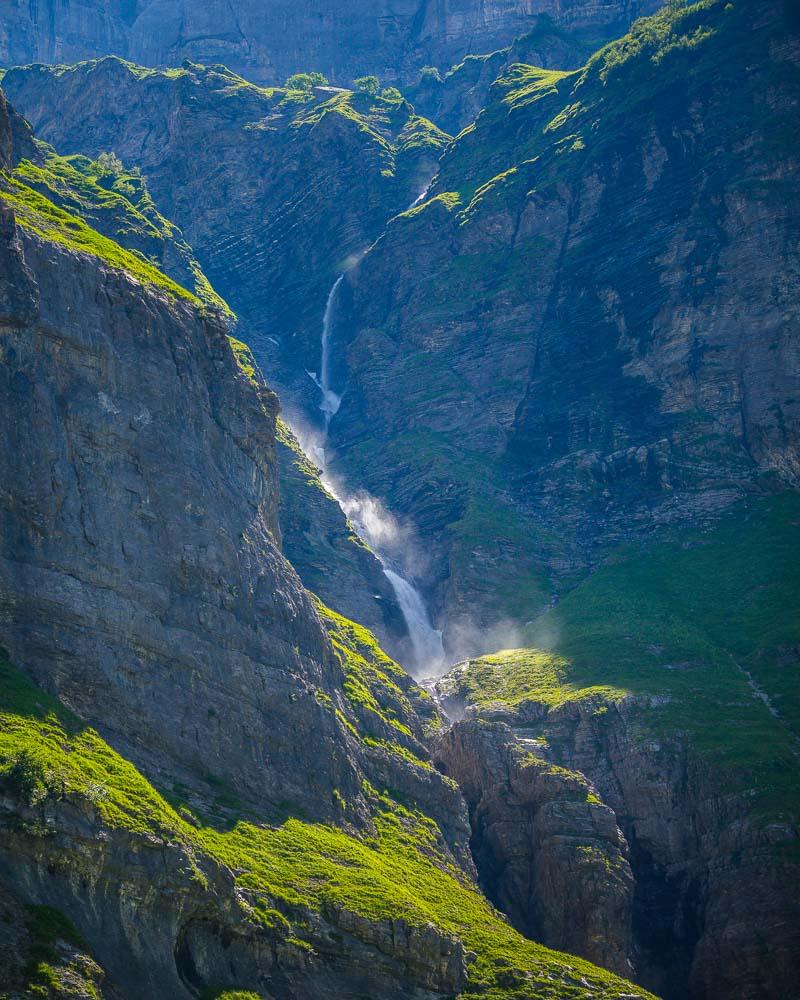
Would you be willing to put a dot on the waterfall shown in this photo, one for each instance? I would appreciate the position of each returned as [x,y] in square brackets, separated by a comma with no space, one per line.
[422,195]
[380,530]
[330,402]
[426,641]
[368,517]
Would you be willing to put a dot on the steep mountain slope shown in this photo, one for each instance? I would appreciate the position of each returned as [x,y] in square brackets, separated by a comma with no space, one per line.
[267,42]
[250,175]
[454,99]
[161,639]
[116,203]
[588,329]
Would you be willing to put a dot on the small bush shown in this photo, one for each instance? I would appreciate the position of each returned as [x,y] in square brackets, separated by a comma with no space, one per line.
[109,163]
[24,777]
[430,74]
[305,81]
[367,85]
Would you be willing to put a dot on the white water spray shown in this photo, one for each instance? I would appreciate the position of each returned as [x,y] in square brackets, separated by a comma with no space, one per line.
[426,641]
[370,519]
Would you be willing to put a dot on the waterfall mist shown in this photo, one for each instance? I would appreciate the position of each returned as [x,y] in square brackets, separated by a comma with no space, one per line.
[393,543]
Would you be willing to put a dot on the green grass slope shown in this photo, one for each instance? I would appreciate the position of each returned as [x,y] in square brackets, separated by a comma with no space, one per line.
[703,629]
[396,869]
[100,208]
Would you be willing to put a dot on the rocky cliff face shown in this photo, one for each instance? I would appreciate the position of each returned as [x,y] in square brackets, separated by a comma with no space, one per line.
[266,44]
[573,790]
[117,588]
[549,852]
[116,202]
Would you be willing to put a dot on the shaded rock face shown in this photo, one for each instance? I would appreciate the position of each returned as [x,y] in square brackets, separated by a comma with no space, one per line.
[549,853]
[268,42]
[72,973]
[699,861]
[598,303]
[120,588]
[694,892]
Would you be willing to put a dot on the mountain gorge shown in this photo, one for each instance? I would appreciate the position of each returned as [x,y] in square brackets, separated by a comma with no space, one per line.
[159,825]
[532,327]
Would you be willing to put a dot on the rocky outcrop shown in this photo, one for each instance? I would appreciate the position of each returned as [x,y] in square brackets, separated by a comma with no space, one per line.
[693,853]
[324,549]
[267,44]
[549,852]
[116,202]
[174,907]
[675,861]
[117,590]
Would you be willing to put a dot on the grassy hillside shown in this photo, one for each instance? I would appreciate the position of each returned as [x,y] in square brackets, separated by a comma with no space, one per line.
[703,629]
[398,869]
[101,208]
